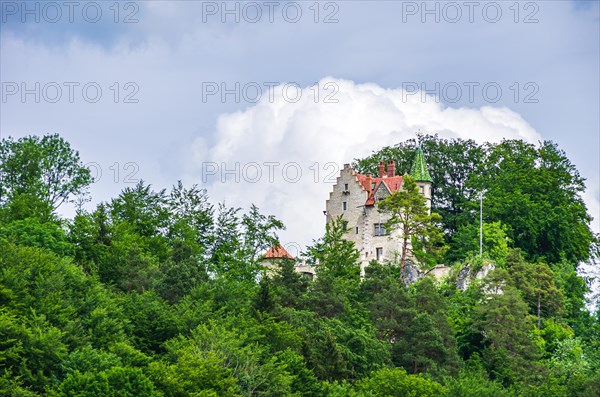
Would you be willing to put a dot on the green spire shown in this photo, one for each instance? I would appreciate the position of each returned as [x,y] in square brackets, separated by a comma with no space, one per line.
[419,167]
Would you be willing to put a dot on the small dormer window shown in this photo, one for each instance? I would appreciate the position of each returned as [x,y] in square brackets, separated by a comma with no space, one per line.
[372,185]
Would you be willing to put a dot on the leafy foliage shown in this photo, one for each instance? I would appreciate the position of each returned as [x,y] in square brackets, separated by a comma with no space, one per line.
[534,191]
[158,293]
[46,169]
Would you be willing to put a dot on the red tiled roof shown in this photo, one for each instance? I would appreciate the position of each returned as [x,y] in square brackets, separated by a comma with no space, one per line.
[393,183]
[277,252]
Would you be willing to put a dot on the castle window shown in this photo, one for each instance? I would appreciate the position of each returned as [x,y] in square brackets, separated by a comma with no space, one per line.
[422,189]
[379,252]
[345,205]
[380,229]
[356,228]
[345,186]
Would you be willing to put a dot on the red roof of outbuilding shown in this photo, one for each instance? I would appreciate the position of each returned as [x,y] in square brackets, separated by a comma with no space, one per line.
[277,252]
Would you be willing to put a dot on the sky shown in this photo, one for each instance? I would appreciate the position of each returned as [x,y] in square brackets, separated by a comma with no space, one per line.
[263,102]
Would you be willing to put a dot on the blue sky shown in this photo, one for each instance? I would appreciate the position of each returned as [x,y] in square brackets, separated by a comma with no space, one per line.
[499,70]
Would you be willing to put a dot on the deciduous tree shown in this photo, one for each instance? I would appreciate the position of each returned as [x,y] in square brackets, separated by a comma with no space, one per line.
[45,168]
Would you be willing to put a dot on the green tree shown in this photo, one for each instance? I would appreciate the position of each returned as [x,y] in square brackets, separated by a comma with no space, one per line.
[465,242]
[81,234]
[536,283]
[536,192]
[34,233]
[387,299]
[259,233]
[192,215]
[509,352]
[336,349]
[335,258]
[289,286]
[150,321]
[569,359]
[44,168]
[182,271]
[574,288]
[113,382]
[129,263]
[443,350]
[414,323]
[194,374]
[234,359]
[396,382]
[189,237]
[473,382]
[142,209]
[31,349]
[333,254]
[239,241]
[410,216]
[225,253]
[75,303]
[89,359]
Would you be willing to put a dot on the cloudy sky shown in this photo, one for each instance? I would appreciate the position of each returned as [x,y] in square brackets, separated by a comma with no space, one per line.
[263,102]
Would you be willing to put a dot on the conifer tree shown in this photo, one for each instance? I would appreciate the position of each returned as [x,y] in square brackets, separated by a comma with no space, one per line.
[411,217]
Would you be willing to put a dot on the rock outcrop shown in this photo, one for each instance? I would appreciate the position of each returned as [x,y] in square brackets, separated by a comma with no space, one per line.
[413,273]
[467,274]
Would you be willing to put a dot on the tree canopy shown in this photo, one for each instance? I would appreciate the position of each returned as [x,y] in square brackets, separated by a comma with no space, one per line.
[534,191]
[159,292]
[45,168]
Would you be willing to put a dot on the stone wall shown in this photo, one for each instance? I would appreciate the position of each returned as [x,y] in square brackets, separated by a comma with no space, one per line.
[361,219]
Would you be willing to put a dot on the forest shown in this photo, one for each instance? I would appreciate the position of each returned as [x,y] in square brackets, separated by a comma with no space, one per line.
[159,292]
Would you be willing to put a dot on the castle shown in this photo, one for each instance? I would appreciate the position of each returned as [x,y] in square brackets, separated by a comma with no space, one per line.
[355,197]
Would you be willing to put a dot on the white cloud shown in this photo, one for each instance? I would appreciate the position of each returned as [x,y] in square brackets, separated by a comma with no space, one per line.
[171,52]
[318,138]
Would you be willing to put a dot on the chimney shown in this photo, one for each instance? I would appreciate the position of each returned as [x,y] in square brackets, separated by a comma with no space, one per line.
[381,169]
[391,168]
[369,183]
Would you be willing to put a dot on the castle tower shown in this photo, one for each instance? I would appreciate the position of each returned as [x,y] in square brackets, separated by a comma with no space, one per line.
[421,175]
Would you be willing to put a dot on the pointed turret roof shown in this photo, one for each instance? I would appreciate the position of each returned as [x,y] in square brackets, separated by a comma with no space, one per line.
[277,252]
[419,167]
